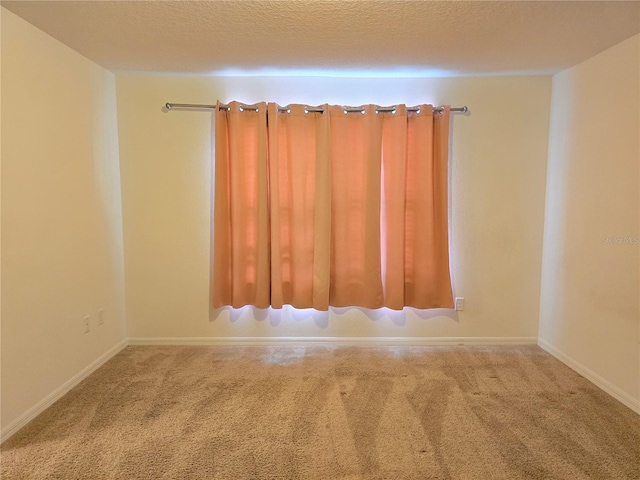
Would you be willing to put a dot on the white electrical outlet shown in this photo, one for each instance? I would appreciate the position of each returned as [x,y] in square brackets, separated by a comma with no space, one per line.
[87,324]
[100,316]
[459,303]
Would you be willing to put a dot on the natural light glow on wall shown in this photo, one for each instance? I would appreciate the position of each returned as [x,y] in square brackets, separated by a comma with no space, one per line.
[405,72]
[322,318]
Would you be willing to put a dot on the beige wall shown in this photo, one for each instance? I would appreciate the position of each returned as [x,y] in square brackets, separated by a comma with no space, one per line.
[590,298]
[499,173]
[62,243]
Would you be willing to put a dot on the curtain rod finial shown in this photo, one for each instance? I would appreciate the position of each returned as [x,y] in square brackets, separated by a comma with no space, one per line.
[168,105]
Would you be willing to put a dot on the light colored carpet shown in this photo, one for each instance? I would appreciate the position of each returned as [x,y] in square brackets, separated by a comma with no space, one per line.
[323,412]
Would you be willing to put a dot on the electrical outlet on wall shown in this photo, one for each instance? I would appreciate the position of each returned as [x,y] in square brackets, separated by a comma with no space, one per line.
[100,316]
[459,303]
[87,324]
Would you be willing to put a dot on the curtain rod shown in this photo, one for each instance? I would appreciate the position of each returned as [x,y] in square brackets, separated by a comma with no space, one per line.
[170,106]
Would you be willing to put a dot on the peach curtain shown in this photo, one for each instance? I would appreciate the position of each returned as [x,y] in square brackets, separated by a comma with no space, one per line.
[241,271]
[334,208]
[355,208]
[300,204]
[415,215]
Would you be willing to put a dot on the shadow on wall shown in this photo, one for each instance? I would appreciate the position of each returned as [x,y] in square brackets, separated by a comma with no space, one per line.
[321,318]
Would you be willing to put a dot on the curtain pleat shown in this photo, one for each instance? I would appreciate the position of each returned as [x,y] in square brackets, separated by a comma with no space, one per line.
[320,209]
[427,280]
[443,297]
[241,214]
[299,206]
[355,208]
[392,222]
[322,213]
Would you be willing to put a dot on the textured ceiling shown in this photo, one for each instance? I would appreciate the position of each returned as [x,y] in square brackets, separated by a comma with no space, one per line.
[396,37]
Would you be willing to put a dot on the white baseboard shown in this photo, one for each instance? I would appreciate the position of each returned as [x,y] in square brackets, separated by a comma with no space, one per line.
[608,387]
[58,393]
[361,341]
